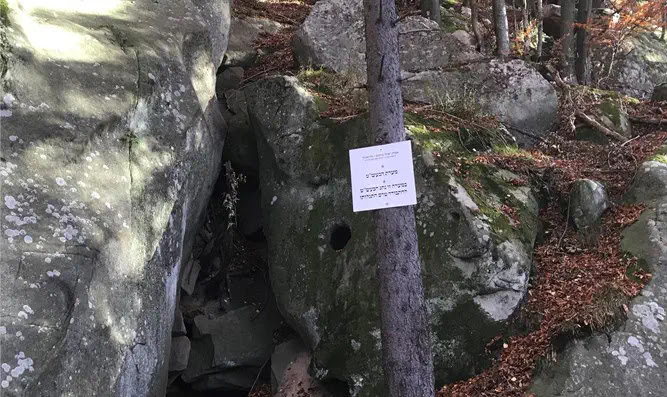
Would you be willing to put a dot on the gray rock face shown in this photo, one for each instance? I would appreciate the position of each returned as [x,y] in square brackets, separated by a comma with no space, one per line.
[437,67]
[588,200]
[644,67]
[111,140]
[240,144]
[239,339]
[229,79]
[282,357]
[521,98]
[650,182]
[180,352]
[632,359]
[659,93]
[243,32]
[476,265]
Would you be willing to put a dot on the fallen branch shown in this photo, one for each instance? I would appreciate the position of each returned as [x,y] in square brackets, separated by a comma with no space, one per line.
[586,118]
[419,31]
[248,79]
[648,120]
[526,133]
[591,122]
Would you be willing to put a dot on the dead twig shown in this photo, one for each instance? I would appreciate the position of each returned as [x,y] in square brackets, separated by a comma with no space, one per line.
[593,123]
[648,120]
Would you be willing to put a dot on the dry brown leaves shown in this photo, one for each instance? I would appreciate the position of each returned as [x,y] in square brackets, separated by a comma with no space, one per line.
[261,391]
[279,58]
[580,285]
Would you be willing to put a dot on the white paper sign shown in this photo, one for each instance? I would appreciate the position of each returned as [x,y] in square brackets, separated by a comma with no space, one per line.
[382,177]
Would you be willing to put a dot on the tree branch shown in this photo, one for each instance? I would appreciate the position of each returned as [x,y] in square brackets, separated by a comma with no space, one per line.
[591,122]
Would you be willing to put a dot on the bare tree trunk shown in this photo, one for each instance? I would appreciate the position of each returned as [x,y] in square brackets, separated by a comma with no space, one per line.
[431,9]
[664,25]
[567,11]
[582,62]
[540,30]
[406,352]
[474,18]
[525,17]
[500,24]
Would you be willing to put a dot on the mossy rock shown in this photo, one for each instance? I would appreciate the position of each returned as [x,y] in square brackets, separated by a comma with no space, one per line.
[476,259]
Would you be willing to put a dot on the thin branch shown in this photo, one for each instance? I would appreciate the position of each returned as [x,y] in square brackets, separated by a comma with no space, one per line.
[526,133]
[591,122]
[408,14]
[648,120]
[418,31]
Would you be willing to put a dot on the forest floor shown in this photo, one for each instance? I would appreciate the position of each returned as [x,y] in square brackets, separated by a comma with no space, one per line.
[579,286]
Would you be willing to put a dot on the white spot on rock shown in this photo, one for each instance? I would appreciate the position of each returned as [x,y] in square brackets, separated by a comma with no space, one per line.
[10,202]
[60,181]
[13,138]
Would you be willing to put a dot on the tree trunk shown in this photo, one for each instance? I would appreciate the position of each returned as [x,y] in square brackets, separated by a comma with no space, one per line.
[582,62]
[540,30]
[664,25]
[406,352]
[567,11]
[474,19]
[526,27]
[431,9]
[500,24]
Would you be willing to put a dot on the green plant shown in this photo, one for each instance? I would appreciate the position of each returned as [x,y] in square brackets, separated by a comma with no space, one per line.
[231,198]
[662,158]
[4,12]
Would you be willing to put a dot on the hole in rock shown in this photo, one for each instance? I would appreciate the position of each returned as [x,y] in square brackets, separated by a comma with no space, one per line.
[340,236]
[455,216]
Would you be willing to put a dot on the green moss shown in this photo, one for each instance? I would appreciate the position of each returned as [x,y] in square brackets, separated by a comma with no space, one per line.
[325,82]
[448,3]
[494,191]
[511,150]
[612,109]
[4,12]
[662,158]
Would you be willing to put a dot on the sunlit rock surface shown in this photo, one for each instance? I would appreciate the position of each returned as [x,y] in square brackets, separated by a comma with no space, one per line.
[110,141]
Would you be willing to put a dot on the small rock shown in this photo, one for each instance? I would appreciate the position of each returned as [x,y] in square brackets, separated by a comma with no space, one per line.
[283,356]
[588,200]
[190,274]
[297,379]
[464,37]
[237,339]
[659,93]
[178,329]
[229,79]
[180,353]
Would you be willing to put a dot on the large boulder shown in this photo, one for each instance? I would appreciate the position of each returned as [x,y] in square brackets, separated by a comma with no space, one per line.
[111,141]
[641,67]
[243,32]
[228,351]
[588,201]
[632,359]
[511,90]
[321,255]
[650,182]
[437,67]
